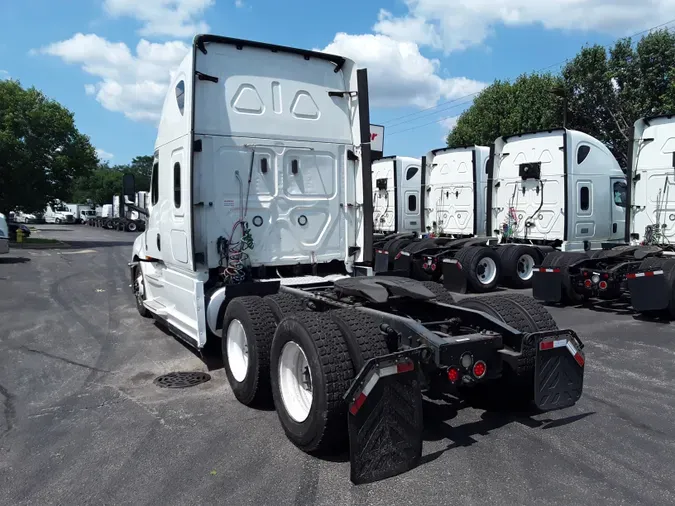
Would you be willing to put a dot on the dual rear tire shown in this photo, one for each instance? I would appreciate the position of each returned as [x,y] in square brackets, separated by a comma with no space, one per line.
[303,361]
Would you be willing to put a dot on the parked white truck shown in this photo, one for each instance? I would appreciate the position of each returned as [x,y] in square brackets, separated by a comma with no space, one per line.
[397,183]
[58,212]
[641,215]
[81,212]
[543,191]
[260,219]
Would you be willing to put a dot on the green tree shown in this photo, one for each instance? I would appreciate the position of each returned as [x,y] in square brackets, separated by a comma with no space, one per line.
[106,181]
[505,108]
[41,150]
[607,91]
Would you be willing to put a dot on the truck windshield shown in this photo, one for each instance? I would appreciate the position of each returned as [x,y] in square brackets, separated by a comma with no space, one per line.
[62,208]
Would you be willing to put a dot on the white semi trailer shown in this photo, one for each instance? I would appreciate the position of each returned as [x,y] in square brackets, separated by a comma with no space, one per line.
[260,233]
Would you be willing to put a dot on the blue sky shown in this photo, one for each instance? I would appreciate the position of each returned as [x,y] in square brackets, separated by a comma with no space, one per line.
[109,60]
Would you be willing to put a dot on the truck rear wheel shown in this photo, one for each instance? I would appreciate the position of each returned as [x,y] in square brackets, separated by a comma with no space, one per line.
[283,304]
[248,329]
[517,262]
[311,371]
[562,260]
[523,313]
[442,295]
[362,335]
[481,265]
[131,227]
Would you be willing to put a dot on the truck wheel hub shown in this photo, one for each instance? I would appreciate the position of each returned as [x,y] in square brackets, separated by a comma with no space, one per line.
[295,382]
[237,350]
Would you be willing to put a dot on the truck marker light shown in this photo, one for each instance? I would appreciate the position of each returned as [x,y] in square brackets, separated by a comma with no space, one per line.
[397,368]
[398,255]
[647,274]
[453,374]
[544,269]
[479,369]
[603,285]
[605,275]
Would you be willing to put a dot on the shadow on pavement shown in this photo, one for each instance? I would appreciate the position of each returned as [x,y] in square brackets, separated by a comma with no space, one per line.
[14,260]
[98,244]
[437,414]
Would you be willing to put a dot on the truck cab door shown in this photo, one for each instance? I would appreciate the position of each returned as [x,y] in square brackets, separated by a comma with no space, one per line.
[619,201]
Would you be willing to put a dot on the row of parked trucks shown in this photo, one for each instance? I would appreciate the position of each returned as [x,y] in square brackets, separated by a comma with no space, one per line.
[260,240]
[552,210]
[120,216]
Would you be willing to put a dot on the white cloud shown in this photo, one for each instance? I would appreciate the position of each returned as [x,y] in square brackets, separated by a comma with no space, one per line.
[449,124]
[104,155]
[133,84]
[398,74]
[239,4]
[459,24]
[173,18]
[4,74]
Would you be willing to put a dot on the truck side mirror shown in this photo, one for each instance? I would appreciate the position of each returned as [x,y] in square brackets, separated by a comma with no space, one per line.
[129,186]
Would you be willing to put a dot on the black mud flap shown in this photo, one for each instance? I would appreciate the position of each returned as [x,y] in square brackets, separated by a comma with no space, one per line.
[649,291]
[558,370]
[454,279]
[381,260]
[402,262]
[547,284]
[385,417]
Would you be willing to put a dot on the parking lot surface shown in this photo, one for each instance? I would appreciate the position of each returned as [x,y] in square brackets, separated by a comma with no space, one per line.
[81,421]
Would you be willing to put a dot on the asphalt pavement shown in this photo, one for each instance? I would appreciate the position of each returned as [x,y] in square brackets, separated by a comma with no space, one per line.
[81,421]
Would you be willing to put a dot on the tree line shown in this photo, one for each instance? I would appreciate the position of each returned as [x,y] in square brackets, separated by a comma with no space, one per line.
[605,90]
[44,157]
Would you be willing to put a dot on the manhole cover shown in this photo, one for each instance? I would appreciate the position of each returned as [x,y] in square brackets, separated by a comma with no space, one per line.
[181,379]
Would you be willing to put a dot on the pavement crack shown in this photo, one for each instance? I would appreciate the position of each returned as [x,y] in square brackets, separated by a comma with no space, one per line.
[63,359]
[9,411]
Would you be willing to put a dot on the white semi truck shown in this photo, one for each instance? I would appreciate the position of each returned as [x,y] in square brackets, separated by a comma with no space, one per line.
[541,191]
[260,229]
[641,216]
[58,212]
[397,183]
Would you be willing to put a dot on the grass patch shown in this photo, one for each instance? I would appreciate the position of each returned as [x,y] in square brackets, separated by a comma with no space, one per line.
[37,240]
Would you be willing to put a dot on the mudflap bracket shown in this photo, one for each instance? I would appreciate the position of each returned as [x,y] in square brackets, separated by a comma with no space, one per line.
[559,369]
[385,417]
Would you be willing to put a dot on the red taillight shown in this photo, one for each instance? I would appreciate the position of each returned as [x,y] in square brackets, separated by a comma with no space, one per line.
[585,274]
[425,266]
[588,283]
[603,285]
[453,374]
[433,266]
[398,255]
[605,276]
[479,369]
